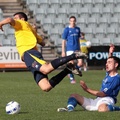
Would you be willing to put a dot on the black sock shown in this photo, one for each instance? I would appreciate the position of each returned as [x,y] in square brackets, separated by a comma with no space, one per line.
[56,79]
[62,60]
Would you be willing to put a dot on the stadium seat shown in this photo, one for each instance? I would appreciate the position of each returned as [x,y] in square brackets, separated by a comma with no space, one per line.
[99,3]
[6,42]
[1,14]
[88,33]
[54,35]
[110,3]
[117,3]
[95,12]
[55,4]
[65,4]
[103,22]
[61,12]
[77,3]
[88,3]
[116,41]
[114,22]
[111,32]
[58,22]
[10,35]
[105,41]
[72,12]
[51,12]
[82,23]
[99,32]
[116,12]
[43,4]
[32,4]
[84,12]
[107,12]
[95,42]
[39,14]
[92,22]
[2,37]
[47,23]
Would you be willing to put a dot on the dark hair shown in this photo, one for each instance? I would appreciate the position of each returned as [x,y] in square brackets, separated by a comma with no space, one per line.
[117,60]
[22,15]
[72,17]
[82,33]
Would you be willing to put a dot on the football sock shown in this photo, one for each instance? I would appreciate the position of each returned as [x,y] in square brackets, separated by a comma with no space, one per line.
[71,76]
[78,67]
[113,108]
[62,60]
[56,79]
[72,102]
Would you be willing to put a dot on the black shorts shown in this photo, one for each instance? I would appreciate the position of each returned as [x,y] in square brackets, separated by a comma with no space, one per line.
[34,60]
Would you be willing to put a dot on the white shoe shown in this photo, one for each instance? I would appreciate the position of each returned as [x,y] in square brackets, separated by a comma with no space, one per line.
[72,81]
[72,68]
[80,55]
[62,109]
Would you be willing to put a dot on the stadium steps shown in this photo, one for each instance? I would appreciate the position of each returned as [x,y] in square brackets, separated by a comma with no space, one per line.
[10,7]
[48,53]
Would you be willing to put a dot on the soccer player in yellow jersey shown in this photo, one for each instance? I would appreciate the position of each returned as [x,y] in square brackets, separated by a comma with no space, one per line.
[26,43]
[84,49]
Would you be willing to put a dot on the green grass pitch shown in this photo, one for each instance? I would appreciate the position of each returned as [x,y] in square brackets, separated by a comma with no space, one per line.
[39,105]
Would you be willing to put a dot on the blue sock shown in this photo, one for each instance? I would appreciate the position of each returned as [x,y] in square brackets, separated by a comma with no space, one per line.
[113,108]
[72,102]
[71,77]
[78,67]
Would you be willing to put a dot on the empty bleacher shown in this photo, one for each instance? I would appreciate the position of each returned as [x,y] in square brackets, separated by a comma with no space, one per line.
[99,19]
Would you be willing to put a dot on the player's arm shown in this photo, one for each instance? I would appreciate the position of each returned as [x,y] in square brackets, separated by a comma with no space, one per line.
[39,38]
[111,50]
[63,47]
[7,21]
[92,92]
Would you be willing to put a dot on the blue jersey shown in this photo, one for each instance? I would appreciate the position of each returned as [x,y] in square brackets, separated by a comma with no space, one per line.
[71,35]
[111,86]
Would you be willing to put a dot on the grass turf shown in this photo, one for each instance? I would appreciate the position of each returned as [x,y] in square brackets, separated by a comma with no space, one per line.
[39,105]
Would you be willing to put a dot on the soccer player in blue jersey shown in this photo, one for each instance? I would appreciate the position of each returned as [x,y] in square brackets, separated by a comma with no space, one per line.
[70,43]
[106,97]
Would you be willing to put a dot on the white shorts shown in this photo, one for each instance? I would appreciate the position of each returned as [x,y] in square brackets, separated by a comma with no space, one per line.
[93,104]
[69,53]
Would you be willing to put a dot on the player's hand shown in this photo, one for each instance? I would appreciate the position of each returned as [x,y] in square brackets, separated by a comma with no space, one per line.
[112,48]
[1,27]
[83,85]
[63,54]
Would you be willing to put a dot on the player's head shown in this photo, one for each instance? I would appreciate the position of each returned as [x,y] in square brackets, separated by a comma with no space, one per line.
[20,15]
[72,21]
[112,64]
[82,34]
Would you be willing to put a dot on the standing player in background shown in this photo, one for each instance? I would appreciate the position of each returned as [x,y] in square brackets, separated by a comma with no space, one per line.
[70,43]
[105,98]
[26,43]
[84,49]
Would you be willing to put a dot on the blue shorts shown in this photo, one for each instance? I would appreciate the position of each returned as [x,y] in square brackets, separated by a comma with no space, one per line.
[34,60]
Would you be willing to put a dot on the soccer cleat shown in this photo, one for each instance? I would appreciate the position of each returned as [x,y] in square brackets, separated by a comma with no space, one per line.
[72,81]
[72,68]
[80,72]
[62,109]
[65,109]
[80,55]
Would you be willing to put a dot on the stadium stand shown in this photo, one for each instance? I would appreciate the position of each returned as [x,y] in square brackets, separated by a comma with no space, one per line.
[99,19]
